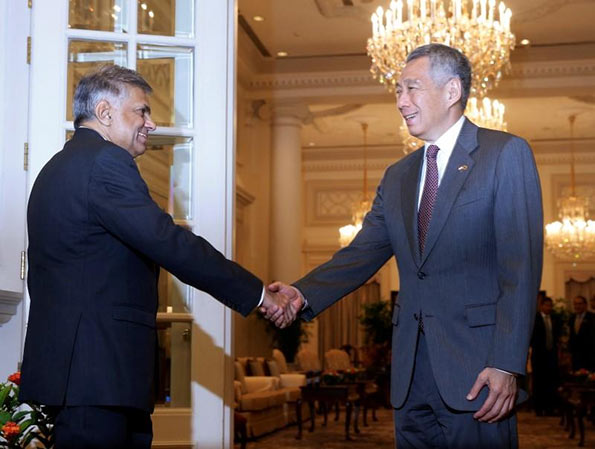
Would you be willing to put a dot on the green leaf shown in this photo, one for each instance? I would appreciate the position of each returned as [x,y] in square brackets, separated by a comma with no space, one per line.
[25,424]
[4,417]
[4,393]
[19,415]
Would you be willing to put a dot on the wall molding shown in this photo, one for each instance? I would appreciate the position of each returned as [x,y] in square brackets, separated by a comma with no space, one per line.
[349,78]
[8,305]
[564,158]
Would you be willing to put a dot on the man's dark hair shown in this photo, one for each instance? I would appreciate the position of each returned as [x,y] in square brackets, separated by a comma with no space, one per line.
[582,298]
[547,299]
[107,81]
[446,62]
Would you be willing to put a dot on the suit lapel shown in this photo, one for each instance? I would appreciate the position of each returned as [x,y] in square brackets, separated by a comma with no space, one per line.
[409,195]
[454,178]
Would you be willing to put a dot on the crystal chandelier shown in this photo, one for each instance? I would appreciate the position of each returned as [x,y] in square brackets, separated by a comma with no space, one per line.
[469,26]
[573,236]
[485,113]
[348,232]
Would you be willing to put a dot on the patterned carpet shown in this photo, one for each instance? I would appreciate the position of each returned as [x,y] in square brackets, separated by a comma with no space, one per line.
[534,433]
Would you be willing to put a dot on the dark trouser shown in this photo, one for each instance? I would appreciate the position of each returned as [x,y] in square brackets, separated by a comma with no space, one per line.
[426,422]
[87,427]
[545,382]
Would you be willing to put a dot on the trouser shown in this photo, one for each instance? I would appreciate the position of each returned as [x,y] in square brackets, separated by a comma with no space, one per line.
[93,427]
[426,422]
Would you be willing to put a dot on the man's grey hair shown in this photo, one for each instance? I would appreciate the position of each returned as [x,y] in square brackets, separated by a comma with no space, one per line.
[445,63]
[108,81]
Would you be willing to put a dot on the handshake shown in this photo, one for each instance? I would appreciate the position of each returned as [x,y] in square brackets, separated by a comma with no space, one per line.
[281,304]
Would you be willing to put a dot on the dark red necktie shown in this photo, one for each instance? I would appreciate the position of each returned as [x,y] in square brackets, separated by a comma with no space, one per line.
[428,198]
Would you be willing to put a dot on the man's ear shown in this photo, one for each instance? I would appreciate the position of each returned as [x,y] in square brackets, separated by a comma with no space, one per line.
[103,112]
[454,90]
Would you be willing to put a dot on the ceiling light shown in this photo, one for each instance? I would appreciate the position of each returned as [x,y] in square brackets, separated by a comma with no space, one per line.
[348,232]
[478,29]
[281,54]
[258,18]
[143,6]
[525,42]
[572,237]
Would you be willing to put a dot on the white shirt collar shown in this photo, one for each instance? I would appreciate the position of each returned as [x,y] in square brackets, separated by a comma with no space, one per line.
[446,142]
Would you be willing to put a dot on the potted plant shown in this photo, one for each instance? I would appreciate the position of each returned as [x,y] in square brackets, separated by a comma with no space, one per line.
[22,423]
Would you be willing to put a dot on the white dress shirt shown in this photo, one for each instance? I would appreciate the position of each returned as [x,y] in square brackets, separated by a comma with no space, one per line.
[446,142]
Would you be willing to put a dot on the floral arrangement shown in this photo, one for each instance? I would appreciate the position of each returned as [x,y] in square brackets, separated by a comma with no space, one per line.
[331,377]
[351,374]
[582,375]
[21,424]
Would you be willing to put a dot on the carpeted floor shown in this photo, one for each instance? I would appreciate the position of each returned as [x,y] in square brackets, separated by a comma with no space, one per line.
[534,433]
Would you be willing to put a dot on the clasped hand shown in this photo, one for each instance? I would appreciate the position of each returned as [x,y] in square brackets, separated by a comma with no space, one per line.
[281,304]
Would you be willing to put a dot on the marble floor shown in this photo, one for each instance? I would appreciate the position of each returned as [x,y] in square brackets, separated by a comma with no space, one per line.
[534,433]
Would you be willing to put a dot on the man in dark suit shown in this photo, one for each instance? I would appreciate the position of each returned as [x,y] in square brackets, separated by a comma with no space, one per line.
[544,358]
[96,242]
[463,217]
[582,336]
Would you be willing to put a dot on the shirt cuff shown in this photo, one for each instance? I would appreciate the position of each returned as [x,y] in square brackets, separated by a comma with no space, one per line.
[261,298]
[506,372]
[306,305]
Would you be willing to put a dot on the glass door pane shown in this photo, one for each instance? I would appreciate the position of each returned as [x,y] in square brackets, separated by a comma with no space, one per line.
[87,55]
[100,15]
[166,17]
[169,71]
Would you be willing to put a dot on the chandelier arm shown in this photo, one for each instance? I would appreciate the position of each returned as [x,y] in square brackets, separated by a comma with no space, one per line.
[571,119]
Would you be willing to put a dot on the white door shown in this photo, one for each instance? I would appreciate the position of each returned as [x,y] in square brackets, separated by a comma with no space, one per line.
[185,50]
[14,77]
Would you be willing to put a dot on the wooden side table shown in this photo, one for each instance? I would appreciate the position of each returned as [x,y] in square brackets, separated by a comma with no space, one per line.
[345,393]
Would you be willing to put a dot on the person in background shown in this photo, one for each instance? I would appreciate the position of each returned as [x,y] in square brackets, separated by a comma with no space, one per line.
[582,335]
[544,359]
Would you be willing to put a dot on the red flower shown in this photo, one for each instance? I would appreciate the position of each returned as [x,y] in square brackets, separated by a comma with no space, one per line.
[10,430]
[15,378]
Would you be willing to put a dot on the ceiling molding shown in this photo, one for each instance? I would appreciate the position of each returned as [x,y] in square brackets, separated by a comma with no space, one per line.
[546,69]
[556,75]
[343,165]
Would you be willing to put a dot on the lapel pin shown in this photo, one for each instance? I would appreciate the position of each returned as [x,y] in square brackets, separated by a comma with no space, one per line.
[462,168]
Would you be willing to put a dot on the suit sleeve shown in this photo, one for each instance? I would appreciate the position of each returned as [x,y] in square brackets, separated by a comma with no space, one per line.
[518,224]
[120,201]
[351,266]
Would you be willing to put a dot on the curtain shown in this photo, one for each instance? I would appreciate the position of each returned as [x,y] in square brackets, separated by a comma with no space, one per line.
[580,285]
[339,324]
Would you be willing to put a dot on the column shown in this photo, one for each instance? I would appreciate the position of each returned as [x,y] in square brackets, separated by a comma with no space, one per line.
[286,191]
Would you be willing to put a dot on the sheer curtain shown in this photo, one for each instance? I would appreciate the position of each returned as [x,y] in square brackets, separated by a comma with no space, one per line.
[339,324]
[583,285]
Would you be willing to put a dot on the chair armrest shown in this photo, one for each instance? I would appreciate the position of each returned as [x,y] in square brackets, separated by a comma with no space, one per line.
[292,380]
[261,383]
[237,390]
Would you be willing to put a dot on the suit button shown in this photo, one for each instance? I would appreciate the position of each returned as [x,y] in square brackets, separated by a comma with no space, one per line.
[421,274]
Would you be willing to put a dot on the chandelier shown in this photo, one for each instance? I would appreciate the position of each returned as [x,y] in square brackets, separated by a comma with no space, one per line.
[348,232]
[469,26]
[573,236]
[485,113]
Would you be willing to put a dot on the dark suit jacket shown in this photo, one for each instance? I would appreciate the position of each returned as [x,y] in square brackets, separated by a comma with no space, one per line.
[477,280]
[539,352]
[96,241]
[582,345]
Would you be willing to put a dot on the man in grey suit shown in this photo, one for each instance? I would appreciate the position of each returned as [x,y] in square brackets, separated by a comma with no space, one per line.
[463,216]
